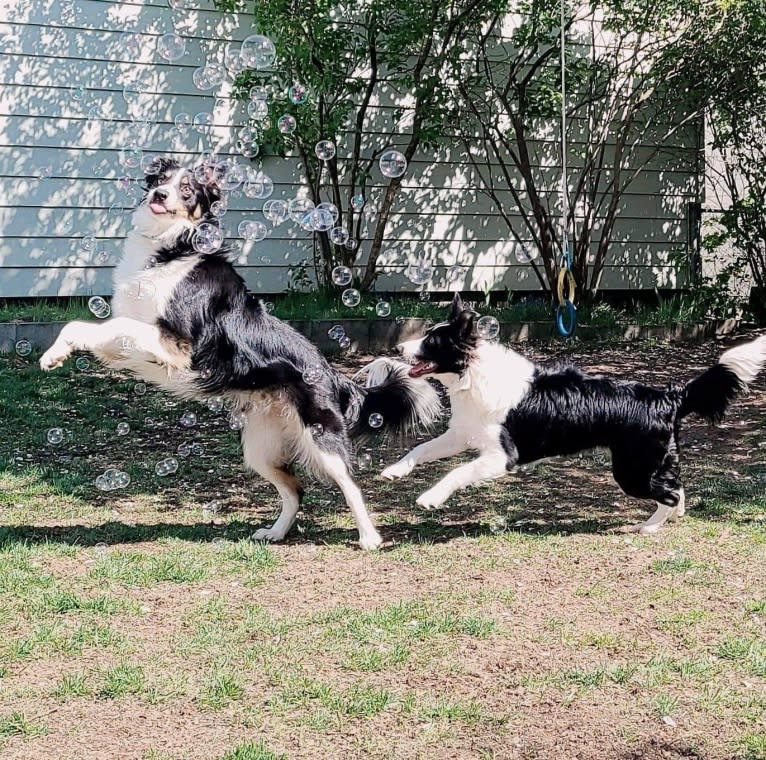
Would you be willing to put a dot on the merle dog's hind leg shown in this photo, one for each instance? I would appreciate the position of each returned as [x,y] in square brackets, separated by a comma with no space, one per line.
[264,438]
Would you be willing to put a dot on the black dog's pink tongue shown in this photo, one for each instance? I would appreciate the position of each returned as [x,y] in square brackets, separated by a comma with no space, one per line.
[421,368]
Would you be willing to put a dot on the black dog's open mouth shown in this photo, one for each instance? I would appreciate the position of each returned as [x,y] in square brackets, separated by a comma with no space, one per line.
[157,208]
[422,368]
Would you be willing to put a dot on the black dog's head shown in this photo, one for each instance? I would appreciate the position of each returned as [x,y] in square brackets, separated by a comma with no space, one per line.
[175,194]
[446,348]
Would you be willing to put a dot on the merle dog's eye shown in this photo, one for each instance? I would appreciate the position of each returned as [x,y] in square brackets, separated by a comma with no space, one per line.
[186,191]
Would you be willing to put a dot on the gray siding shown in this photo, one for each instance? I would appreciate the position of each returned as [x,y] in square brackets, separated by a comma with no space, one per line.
[49,49]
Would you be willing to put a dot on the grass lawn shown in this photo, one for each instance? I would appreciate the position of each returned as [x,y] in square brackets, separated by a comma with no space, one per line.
[517,622]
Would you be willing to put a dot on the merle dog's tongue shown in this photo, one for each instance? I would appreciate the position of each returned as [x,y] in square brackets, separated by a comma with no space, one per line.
[421,368]
[158,208]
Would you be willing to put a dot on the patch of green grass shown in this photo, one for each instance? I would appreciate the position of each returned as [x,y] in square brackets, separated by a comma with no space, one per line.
[17,724]
[756,606]
[449,710]
[664,704]
[220,689]
[673,565]
[252,751]
[136,568]
[121,680]
[72,685]
[369,660]
[359,701]
[751,747]
[585,679]
[61,602]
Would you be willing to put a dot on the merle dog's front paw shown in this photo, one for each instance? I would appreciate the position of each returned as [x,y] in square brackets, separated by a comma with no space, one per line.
[431,499]
[396,471]
[55,356]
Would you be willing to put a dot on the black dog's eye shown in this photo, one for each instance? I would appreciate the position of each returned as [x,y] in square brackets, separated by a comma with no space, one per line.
[186,191]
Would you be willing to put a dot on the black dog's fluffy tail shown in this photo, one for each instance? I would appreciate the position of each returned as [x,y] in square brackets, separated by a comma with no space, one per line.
[710,394]
[391,400]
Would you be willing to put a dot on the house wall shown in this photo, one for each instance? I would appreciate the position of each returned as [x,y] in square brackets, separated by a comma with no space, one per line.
[64,118]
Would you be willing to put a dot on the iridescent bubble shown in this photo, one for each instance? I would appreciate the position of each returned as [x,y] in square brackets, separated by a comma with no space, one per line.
[357,202]
[183,122]
[258,52]
[139,389]
[299,208]
[131,157]
[261,186]
[375,420]
[99,307]
[258,109]
[183,450]
[88,243]
[166,466]
[488,328]
[342,276]
[219,208]
[188,419]
[123,428]
[207,238]
[197,449]
[350,244]
[297,94]
[269,306]
[55,436]
[201,78]
[252,230]
[345,342]
[392,164]
[350,297]
[215,404]
[336,332]
[237,420]
[383,308]
[325,150]
[231,175]
[82,363]
[203,122]
[23,347]
[275,211]
[364,461]
[338,235]
[319,219]
[233,61]
[317,429]
[171,47]
[312,374]
[286,124]
[424,295]
[420,272]
[525,254]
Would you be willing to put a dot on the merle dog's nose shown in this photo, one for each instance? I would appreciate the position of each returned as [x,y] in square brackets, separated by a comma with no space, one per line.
[160,195]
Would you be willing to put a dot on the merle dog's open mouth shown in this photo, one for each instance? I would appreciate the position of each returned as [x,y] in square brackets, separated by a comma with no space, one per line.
[418,369]
[157,208]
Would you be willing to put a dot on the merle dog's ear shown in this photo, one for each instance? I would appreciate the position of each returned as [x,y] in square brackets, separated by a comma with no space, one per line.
[156,168]
[456,308]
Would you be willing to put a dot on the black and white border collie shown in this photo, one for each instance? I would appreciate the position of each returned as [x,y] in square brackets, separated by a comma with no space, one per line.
[185,321]
[514,412]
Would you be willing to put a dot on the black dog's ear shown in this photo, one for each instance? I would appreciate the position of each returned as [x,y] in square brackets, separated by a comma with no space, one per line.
[456,308]
[158,167]
[466,322]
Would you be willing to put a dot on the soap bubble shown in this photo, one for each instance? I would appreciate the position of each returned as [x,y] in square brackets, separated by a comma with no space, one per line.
[350,297]
[344,342]
[299,208]
[111,480]
[286,124]
[275,211]
[183,450]
[171,47]
[183,122]
[317,429]
[336,332]
[260,186]
[325,150]
[211,509]
[99,307]
[252,230]
[525,254]
[23,347]
[166,466]
[320,219]
[342,275]
[258,52]
[258,109]
[219,208]
[357,202]
[330,208]
[82,363]
[88,243]
[258,92]
[231,175]
[350,244]
[269,306]
[207,238]
[197,449]
[364,461]
[215,404]
[43,172]
[392,164]
[383,308]
[139,389]
[55,436]
[188,419]
[123,428]
[488,328]
[338,235]
[312,374]
[297,94]
[375,420]
[131,157]
[424,295]
[237,420]
[420,272]
[233,61]
[203,122]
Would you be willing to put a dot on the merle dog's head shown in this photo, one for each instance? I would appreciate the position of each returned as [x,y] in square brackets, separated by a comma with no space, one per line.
[446,348]
[175,194]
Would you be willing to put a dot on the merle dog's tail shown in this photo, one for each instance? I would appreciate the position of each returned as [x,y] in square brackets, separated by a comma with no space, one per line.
[391,400]
[710,394]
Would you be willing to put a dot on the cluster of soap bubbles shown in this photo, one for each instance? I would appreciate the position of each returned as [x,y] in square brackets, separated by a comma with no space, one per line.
[208,238]
[166,466]
[186,450]
[313,373]
[99,307]
[338,334]
[250,229]
[111,480]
